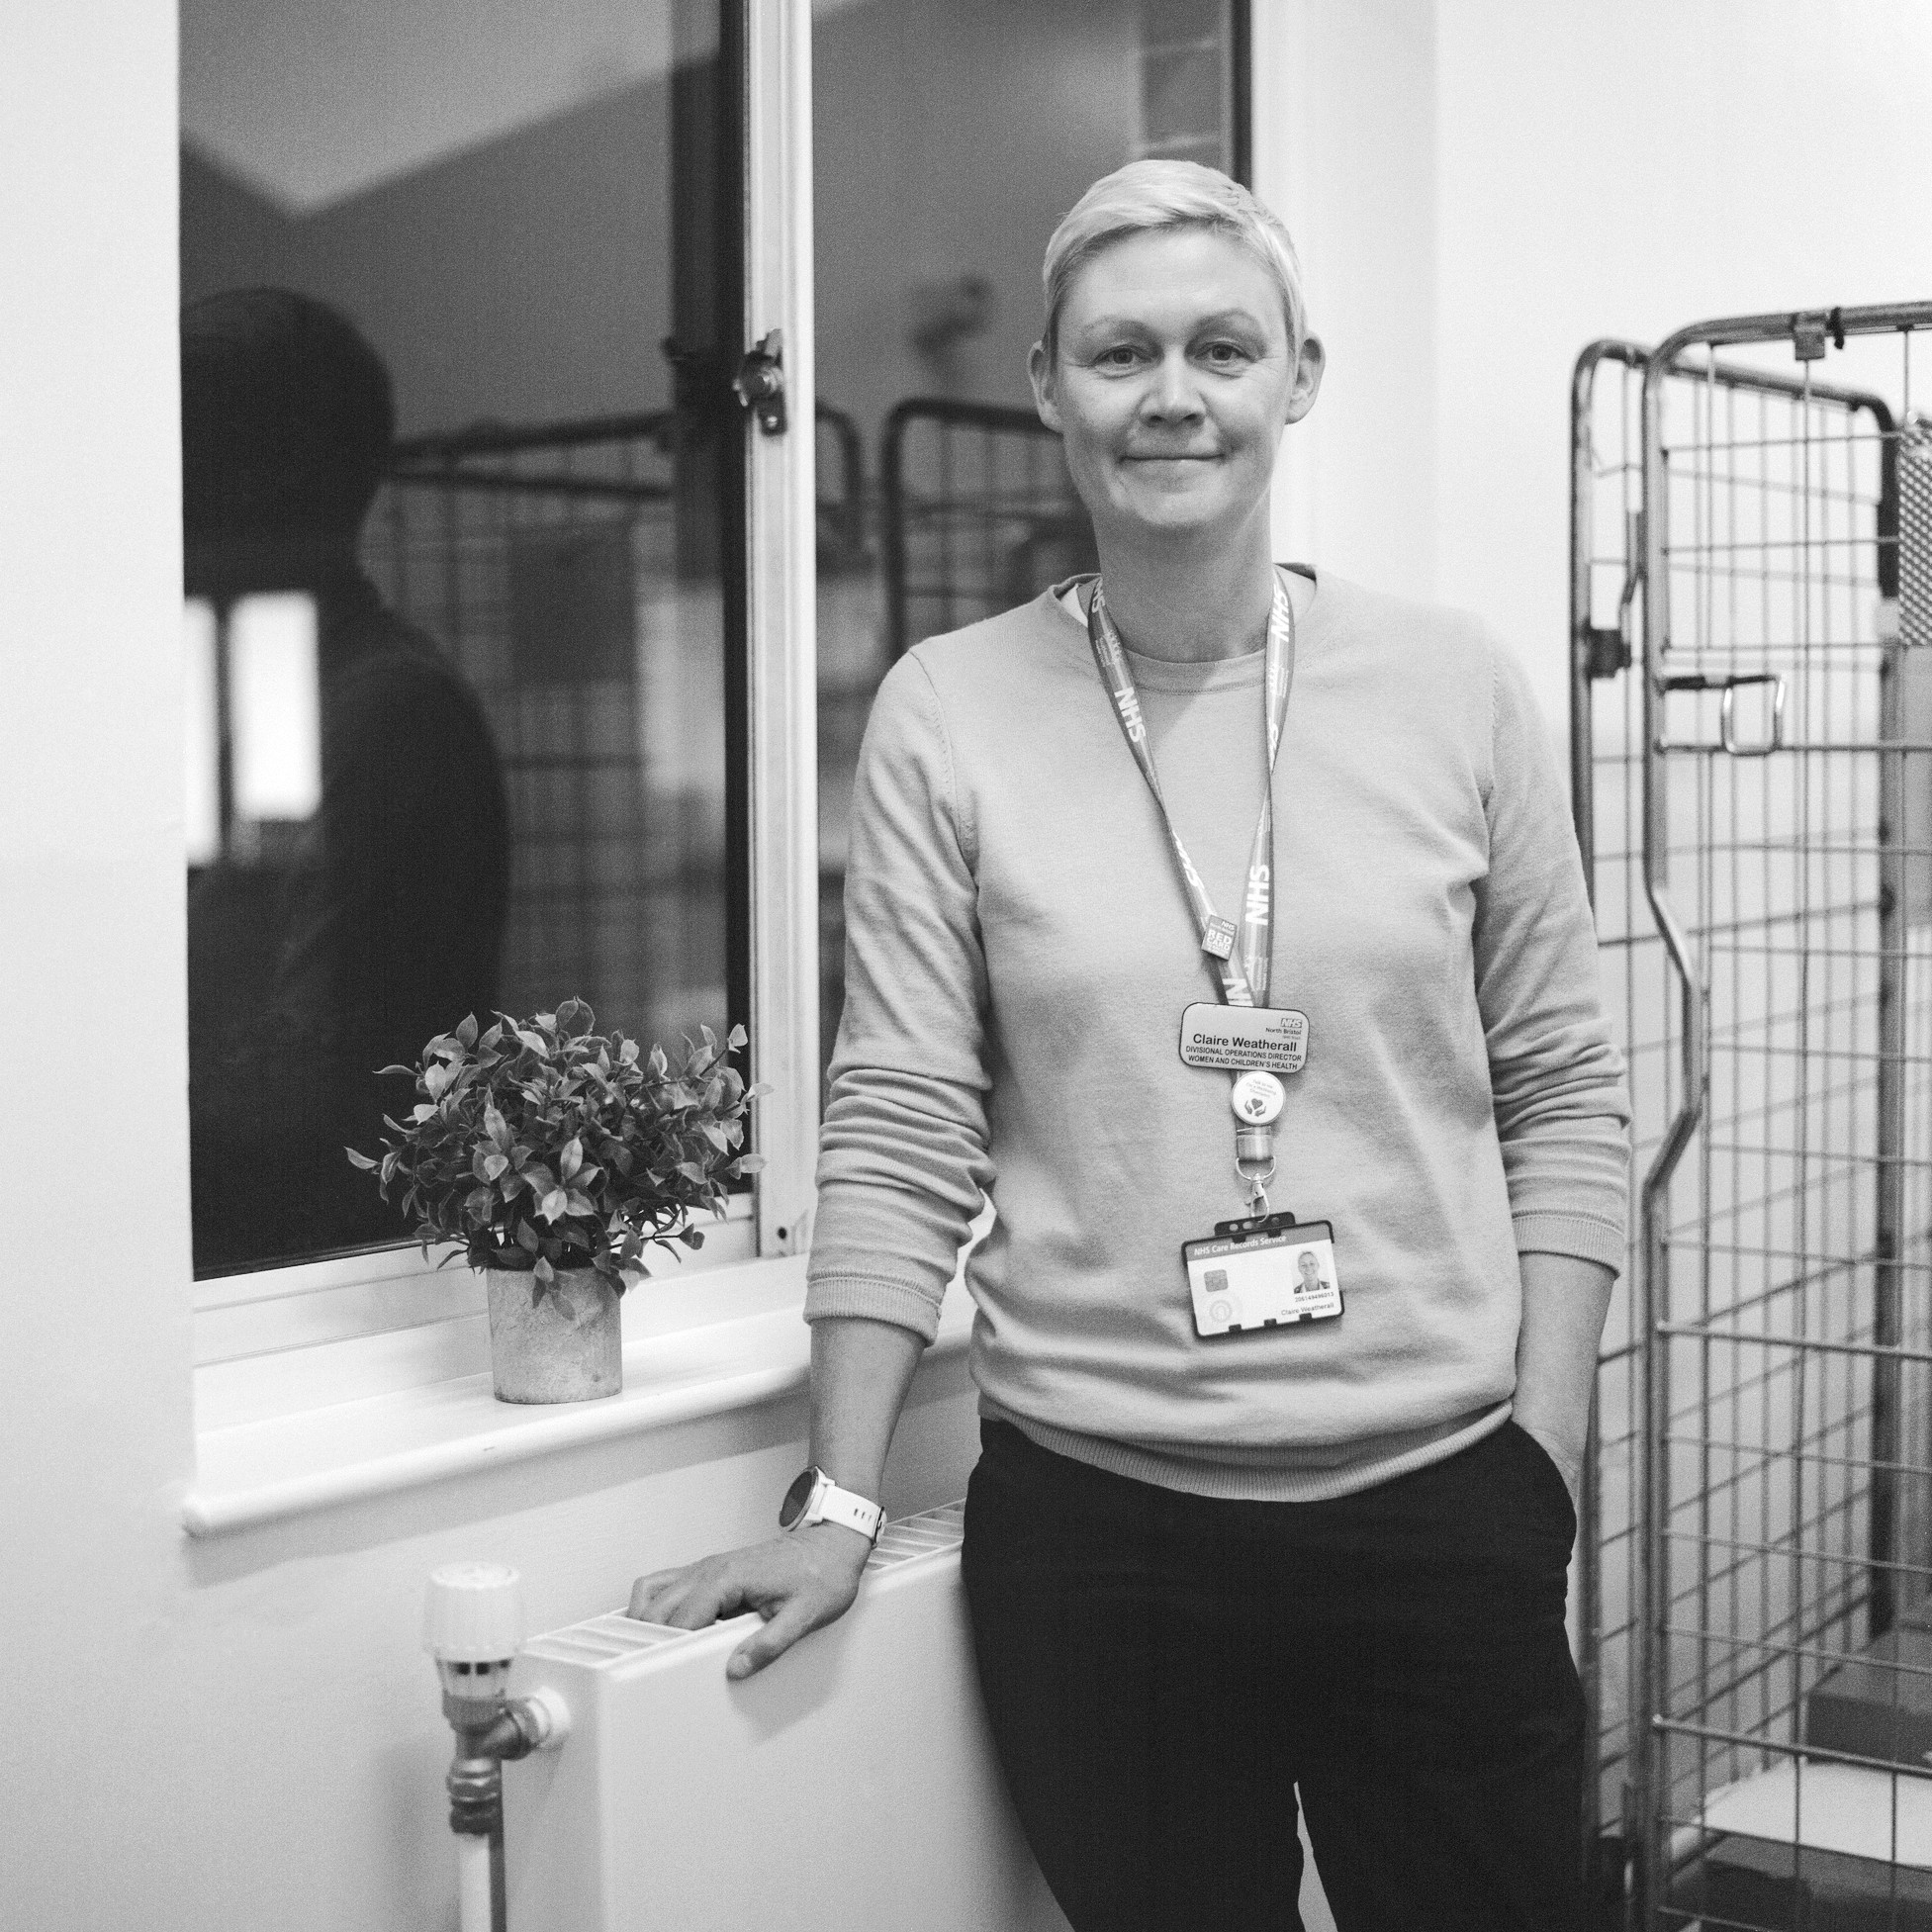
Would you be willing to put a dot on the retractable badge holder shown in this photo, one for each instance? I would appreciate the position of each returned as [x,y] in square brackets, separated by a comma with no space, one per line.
[1266,1269]
[1257,1099]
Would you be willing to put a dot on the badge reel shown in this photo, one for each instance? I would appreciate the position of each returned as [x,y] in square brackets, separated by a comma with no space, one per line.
[1268,1270]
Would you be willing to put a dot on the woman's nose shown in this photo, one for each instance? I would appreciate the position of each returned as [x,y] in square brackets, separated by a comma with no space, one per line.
[1172,394]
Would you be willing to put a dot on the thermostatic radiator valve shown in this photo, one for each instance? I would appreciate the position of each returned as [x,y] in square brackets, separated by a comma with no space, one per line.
[473,1625]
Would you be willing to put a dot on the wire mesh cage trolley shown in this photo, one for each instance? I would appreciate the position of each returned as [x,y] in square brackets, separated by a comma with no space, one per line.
[1754,789]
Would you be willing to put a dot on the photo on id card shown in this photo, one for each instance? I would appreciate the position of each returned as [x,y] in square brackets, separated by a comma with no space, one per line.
[1264,1280]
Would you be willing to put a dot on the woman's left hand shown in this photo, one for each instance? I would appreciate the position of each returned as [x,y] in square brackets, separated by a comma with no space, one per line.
[1564,1302]
[1568,1459]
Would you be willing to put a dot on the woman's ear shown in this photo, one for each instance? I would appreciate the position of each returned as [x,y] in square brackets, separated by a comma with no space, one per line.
[1042,373]
[1309,366]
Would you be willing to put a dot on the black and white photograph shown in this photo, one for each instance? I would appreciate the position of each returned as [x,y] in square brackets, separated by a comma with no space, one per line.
[1001,937]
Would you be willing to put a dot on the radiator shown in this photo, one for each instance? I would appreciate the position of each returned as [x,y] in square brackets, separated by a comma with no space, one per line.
[849,1787]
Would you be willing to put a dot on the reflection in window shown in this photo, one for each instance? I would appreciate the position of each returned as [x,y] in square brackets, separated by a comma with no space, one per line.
[462,304]
[950,138]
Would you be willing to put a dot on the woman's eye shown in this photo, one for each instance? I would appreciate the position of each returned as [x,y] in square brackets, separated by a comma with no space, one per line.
[1123,355]
[1223,355]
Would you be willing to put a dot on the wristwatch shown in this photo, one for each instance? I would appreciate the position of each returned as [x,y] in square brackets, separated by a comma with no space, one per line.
[816,1497]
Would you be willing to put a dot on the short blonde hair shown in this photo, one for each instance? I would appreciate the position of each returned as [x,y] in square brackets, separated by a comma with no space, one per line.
[1144,197]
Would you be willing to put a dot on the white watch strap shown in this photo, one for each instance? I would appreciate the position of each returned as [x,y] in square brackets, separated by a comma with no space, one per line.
[845,1507]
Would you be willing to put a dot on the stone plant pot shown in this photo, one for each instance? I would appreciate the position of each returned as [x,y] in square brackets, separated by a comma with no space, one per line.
[569,1347]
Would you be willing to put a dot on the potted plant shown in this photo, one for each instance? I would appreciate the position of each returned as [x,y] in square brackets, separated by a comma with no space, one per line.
[556,1155]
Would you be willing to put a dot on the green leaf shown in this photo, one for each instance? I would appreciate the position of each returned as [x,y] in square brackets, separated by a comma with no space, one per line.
[575,1018]
[534,1041]
[554,1205]
[361,1161]
[571,1158]
[495,1165]
[466,1032]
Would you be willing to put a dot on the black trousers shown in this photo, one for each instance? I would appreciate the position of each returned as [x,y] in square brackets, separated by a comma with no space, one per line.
[1163,1671]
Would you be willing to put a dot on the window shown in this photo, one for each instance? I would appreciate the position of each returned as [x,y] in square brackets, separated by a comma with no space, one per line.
[502,610]
[465,487]
[950,137]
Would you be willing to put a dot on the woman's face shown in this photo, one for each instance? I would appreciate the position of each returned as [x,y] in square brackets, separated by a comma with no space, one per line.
[1173,383]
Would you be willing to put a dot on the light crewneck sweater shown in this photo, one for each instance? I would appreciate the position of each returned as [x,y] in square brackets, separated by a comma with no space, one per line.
[1019,955]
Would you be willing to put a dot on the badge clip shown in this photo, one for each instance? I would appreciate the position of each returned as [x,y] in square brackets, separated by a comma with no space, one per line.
[1254,1226]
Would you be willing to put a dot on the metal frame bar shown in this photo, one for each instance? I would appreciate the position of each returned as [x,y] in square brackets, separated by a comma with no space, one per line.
[1586,665]
[782,755]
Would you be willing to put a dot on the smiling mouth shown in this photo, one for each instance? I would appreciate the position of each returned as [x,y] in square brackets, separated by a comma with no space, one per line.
[1177,456]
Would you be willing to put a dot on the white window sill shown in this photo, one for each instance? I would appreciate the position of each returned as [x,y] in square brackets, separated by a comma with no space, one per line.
[264,1470]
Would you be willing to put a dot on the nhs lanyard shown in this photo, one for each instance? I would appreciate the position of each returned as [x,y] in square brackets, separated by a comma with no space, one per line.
[1242,970]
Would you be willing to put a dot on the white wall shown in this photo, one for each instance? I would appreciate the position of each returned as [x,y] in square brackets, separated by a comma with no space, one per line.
[94,1430]
[1344,133]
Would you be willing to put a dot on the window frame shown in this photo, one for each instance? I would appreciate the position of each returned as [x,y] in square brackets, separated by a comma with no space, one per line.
[245,1322]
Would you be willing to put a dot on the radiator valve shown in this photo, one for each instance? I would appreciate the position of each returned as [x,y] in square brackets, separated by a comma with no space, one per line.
[473,1625]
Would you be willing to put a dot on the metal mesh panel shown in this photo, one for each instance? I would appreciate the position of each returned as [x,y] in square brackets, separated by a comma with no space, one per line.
[1779,1773]
[980,515]
[1915,533]
[1757,1555]
[552,564]
[546,561]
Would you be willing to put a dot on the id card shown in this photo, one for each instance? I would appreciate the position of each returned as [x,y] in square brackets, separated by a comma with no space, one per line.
[1244,1039]
[1267,1274]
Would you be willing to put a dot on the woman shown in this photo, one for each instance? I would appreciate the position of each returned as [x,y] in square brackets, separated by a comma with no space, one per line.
[1208,1565]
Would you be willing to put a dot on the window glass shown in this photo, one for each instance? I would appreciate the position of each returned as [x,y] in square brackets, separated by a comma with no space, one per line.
[950,138]
[463,508]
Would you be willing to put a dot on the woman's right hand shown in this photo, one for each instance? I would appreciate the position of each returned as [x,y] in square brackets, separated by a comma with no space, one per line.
[796,1582]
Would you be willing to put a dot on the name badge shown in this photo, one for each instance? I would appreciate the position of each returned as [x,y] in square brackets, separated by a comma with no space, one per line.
[1272,1039]
[1271,1277]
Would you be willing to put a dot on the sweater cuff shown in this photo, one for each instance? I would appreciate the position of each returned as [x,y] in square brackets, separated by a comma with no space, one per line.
[1582,1237]
[873,1300]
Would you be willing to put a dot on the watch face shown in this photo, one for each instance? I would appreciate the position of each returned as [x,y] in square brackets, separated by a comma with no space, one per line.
[796,1497]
